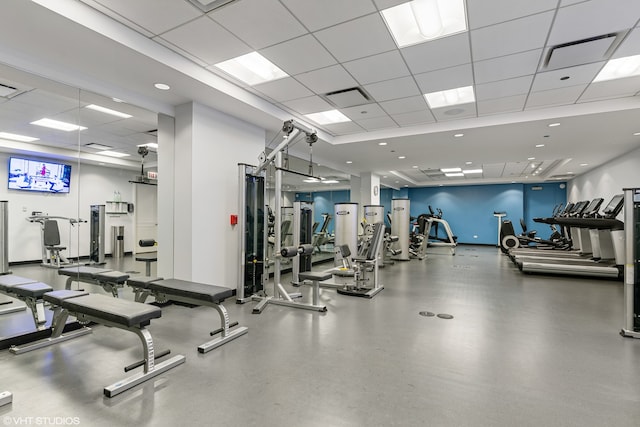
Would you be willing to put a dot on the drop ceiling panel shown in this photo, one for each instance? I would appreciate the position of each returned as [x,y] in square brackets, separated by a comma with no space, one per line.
[507,104]
[207,40]
[511,37]
[327,79]
[593,18]
[377,123]
[283,89]
[385,66]
[343,128]
[583,74]
[455,112]
[611,89]
[413,118]
[312,55]
[449,78]
[493,170]
[321,14]
[385,4]
[405,105]
[562,96]
[174,13]
[630,46]
[308,105]
[503,88]
[267,23]
[515,169]
[489,12]
[363,112]
[393,89]
[449,51]
[358,38]
[507,67]
[46,100]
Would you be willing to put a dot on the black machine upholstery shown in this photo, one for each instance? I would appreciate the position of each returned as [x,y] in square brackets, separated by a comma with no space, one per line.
[51,236]
[199,291]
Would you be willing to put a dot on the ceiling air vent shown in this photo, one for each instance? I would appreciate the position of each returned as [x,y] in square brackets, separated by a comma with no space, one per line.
[580,52]
[7,91]
[348,97]
[209,5]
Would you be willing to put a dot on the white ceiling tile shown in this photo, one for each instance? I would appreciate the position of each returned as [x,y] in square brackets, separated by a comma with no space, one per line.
[393,89]
[259,23]
[196,38]
[488,12]
[343,128]
[562,96]
[285,56]
[363,112]
[456,112]
[358,38]
[174,13]
[611,89]
[308,105]
[593,18]
[385,66]
[511,37]
[377,123]
[503,88]
[493,170]
[582,74]
[449,78]
[507,67]
[413,118]
[501,105]
[564,3]
[405,105]
[180,51]
[385,4]
[283,89]
[630,46]
[449,51]
[316,14]
[327,79]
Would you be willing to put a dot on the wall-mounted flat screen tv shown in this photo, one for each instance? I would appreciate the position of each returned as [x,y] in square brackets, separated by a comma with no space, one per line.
[38,175]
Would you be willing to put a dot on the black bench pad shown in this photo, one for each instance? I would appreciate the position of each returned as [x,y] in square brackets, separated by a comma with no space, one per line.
[82,272]
[310,275]
[9,281]
[115,310]
[34,290]
[150,257]
[194,290]
[142,281]
[56,297]
[112,276]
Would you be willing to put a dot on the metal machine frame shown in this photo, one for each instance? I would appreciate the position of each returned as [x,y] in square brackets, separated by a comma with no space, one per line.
[631,327]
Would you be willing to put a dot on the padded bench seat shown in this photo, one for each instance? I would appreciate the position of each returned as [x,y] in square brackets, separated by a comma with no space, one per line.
[82,272]
[199,291]
[28,290]
[10,280]
[32,290]
[109,280]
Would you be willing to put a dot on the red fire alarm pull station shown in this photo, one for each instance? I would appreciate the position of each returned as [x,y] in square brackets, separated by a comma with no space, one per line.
[234,219]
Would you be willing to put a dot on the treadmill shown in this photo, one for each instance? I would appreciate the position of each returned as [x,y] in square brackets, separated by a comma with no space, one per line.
[601,228]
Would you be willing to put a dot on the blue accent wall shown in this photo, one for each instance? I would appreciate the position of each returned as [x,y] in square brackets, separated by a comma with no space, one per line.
[539,201]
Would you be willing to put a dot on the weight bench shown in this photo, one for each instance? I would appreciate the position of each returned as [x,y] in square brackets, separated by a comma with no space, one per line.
[199,294]
[30,292]
[118,313]
[110,280]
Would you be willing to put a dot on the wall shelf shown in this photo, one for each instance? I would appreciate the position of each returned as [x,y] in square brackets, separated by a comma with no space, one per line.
[116,208]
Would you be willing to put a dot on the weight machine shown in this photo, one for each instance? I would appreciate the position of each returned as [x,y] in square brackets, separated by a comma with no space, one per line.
[50,238]
[631,327]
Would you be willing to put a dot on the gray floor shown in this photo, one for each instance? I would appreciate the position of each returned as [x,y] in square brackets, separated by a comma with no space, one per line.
[520,351]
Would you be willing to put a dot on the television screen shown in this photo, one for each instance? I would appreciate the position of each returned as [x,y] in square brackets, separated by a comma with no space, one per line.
[36,175]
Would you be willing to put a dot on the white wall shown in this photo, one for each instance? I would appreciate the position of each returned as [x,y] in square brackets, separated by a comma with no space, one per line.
[607,180]
[89,185]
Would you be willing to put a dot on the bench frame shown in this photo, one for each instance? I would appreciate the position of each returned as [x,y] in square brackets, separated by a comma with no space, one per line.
[113,287]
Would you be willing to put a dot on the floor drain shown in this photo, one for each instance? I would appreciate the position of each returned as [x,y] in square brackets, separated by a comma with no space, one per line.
[445,316]
[427,314]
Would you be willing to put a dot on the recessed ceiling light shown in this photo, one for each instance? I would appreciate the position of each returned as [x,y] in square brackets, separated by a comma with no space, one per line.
[539,145]
[415,167]
[619,68]
[636,134]
[330,181]
[458,135]
[454,174]
[449,170]
[584,164]
[384,176]
[149,145]
[552,125]
[108,111]
[468,163]
[16,137]
[382,143]
[349,162]
[440,185]
[447,98]
[402,157]
[55,124]
[467,171]
[328,117]
[162,86]
[569,173]
[406,185]
[252,69]
[114,153]
[533,166]
[397,182]
[531,158]
[419,21]
[117,100]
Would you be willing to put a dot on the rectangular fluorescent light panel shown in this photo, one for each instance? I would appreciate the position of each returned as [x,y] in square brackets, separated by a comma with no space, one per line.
[454,174]
[328,117]
[149,145]
[97,146]
[55,124]
[108,111]
[419,21]
[330,181]
[467,171]
[449,170]
[447,98]
[16,137]
[620,68]
[252,69]
[311,180]
[113,154]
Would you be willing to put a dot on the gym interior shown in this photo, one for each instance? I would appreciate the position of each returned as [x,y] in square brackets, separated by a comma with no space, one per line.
[387,226]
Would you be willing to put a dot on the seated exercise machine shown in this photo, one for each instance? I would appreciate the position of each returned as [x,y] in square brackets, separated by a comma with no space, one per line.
[50,235]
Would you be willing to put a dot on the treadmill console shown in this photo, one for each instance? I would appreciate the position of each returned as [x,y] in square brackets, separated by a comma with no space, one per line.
[614,207]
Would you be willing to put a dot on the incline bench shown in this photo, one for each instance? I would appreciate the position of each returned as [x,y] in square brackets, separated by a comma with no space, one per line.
[110,280]
[199,294]
[128,315]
